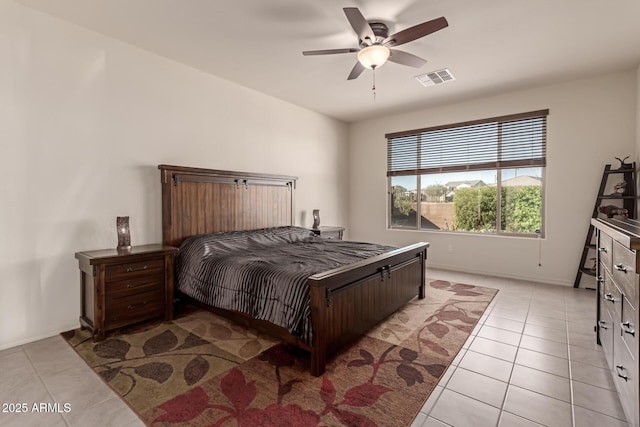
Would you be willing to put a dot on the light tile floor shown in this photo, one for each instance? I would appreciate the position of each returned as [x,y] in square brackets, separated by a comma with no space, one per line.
[532,360]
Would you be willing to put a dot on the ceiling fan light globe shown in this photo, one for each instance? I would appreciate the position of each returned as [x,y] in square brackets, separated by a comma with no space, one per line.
[373,56]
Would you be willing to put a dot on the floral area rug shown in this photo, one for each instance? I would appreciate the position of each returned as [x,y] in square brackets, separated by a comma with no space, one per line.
[202,370]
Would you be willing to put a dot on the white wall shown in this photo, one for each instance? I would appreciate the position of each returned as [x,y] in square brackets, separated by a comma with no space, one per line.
[637,156]
[84,122]
[590,122]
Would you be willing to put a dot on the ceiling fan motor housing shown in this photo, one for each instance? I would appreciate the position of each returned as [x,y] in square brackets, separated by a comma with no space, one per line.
[380,30]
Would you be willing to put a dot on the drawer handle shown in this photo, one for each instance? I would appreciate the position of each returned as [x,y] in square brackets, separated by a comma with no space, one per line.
[133,306]
[600,279]
[131,269]
[621,368]
[609,297]
[135,285]
[603,250]
[621,267]
[602,324]
[627,329]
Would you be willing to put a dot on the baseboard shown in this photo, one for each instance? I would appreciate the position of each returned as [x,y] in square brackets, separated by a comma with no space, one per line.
[39,337]
[494,274]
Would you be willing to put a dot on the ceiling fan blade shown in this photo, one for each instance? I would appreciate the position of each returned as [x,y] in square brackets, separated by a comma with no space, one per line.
[356,71]
[415,32]
[405,58]
[329,51]
[359,24]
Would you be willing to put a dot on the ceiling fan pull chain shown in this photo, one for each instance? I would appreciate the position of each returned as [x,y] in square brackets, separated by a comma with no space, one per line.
[373,88]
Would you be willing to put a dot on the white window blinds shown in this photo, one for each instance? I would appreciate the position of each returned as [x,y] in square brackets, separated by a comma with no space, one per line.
[517,140]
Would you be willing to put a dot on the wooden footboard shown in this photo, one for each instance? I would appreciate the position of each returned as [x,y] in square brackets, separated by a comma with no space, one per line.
[348,301]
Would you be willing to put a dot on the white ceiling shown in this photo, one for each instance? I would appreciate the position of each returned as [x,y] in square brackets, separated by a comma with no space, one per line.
[490,46]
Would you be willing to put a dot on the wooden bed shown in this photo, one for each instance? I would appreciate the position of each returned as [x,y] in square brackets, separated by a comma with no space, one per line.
[345,302]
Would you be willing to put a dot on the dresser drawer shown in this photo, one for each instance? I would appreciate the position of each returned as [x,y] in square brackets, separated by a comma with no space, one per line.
[624,271]
[618,306]
[131,308]
[612,298]
[135,285]
[134,269]
[605,249]
[604,276]
[605,332]
[628,325]
[625,374]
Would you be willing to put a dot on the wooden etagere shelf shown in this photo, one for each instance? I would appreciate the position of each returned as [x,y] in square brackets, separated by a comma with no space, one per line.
[627,200]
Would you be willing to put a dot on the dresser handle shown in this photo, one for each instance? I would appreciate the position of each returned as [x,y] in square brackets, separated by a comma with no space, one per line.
[603,250]
[600,279]
[131,285]
[609,297]
[602,324]
[626,327]
[132,306]
[131,270]
[621,267]
[621,368]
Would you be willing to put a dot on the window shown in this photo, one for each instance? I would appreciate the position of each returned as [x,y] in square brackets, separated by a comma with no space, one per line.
[485,176]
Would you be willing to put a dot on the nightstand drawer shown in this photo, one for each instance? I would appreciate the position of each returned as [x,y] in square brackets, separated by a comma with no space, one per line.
[130,308]
[332,235]
[327,232]
[134,269]
[135,285]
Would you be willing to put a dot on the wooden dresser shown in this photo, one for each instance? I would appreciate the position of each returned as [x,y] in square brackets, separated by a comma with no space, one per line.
[618,272]
[118,288]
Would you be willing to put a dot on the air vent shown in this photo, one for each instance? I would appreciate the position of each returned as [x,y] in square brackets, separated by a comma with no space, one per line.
[435,77]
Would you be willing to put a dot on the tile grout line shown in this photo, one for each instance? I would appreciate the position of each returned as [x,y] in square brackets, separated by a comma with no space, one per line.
[573,404]
[486,314]
[573,412]
[43,382]
[506,394]
[428,414]
[449,379]
[568,359]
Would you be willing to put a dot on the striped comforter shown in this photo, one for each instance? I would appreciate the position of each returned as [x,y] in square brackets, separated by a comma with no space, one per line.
[263,273]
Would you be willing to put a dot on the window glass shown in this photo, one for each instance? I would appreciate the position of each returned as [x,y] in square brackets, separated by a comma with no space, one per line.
[460,201]
[521,200]
[483,176]
[403,197]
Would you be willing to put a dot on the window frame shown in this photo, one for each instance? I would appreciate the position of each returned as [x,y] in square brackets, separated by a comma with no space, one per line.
[498,166]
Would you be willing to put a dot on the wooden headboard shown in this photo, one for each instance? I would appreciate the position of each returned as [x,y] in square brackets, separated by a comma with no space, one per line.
[200,201]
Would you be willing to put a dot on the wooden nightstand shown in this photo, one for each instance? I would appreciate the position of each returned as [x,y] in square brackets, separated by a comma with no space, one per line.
[118,288]
[329,232]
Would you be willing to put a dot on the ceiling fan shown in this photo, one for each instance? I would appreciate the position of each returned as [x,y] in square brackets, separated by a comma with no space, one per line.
[376,44]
